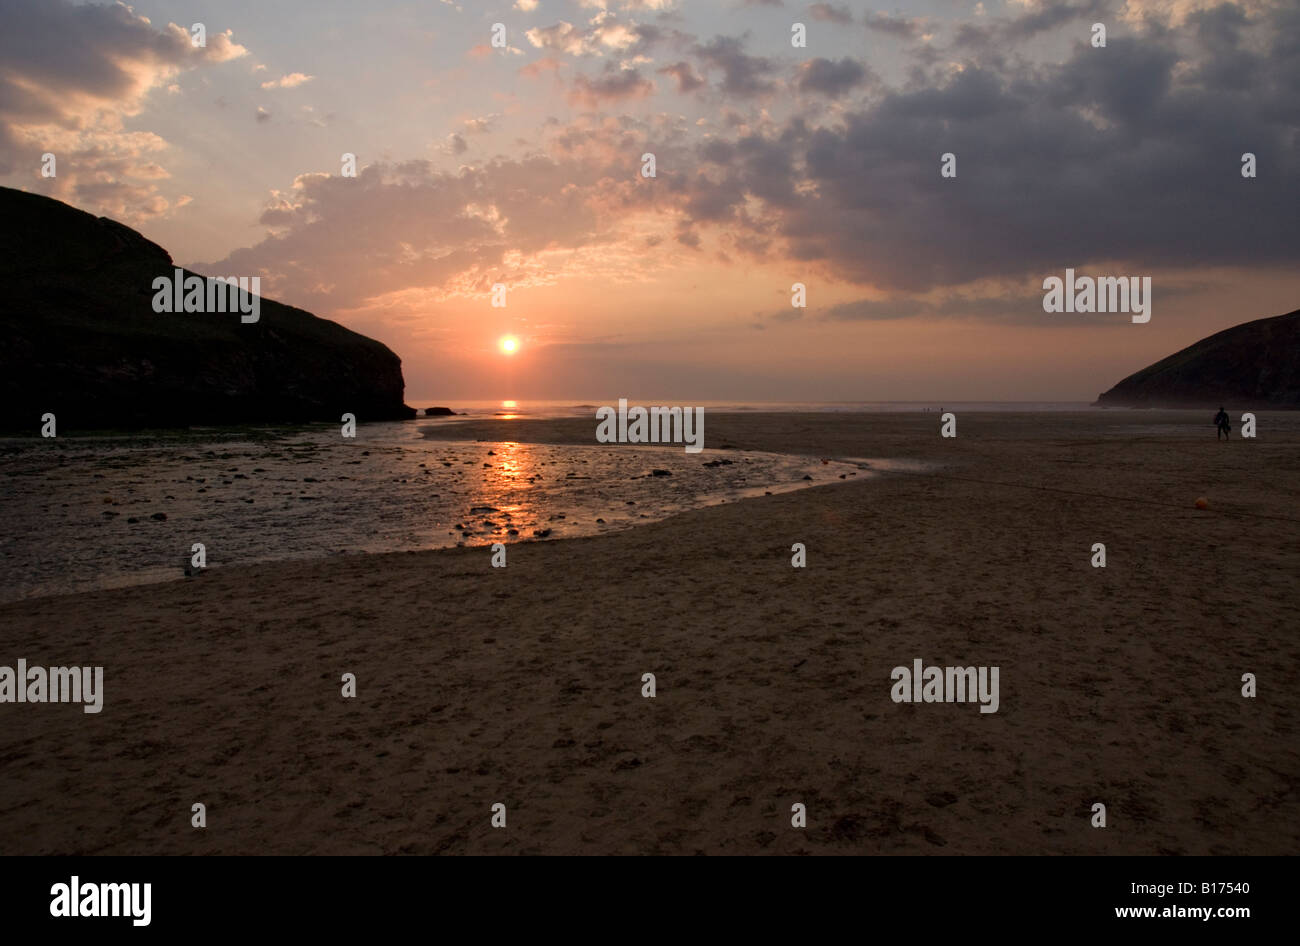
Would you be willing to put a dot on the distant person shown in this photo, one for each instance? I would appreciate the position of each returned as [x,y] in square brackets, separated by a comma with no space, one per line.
[1221,422]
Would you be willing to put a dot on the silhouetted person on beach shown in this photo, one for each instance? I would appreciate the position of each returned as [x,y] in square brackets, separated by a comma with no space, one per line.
[1221,422]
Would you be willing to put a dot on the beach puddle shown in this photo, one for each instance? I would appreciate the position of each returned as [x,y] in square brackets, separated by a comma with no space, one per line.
[99,512]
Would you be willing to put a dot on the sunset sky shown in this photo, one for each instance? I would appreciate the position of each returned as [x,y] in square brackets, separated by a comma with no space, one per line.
[775,165]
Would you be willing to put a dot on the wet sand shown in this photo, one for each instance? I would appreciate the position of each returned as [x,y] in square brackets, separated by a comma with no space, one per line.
[523,685]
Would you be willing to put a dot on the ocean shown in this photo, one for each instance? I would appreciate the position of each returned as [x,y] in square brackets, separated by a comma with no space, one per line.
[543,409]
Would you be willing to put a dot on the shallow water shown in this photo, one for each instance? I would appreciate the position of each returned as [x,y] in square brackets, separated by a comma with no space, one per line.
[77,513]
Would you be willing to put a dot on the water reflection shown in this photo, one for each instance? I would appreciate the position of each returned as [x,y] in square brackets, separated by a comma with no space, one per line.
[84,517]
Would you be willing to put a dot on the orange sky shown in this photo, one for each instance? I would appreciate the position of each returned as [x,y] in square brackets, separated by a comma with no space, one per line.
[776,163]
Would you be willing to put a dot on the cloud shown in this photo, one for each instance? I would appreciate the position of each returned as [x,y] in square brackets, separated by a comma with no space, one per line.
[71,75]
[1176,12]
[830,13]
[482,124]
[612,85]
[535,69]
[336,242]
[1008,303]
[562,37]
[290,81]
[831,78]
[1134,158]
[903,27]
[605,35]
[687,80]
[743,75]
[875,310]
[1128,158]
[1039,18]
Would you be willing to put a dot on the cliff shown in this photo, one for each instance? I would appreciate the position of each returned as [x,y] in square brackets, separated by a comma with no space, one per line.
[1255,364]
[82,340]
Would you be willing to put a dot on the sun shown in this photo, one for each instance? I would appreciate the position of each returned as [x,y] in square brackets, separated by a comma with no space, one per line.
[509,344]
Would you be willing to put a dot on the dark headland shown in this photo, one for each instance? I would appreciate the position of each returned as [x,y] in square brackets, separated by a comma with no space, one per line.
[82,341]
[1255,364]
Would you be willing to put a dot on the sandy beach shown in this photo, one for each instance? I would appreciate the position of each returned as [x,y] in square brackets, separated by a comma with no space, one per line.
[478,685]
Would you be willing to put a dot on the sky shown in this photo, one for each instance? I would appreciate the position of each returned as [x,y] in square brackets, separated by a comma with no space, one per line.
[521,165]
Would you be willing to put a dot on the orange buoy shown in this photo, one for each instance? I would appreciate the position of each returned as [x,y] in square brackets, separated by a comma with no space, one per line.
[1202,503]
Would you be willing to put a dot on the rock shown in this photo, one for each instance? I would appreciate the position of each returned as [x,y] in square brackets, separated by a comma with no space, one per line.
[660,473]
[807,477]
[541,533]
[82,339]
[439,412]
[159,516]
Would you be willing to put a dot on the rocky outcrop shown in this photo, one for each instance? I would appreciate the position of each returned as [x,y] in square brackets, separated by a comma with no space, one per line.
[439,412]
[1255,364]
[82,340]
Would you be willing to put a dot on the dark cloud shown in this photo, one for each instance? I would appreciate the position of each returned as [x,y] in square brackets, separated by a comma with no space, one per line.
[904,27]
[687,80]
[1128,154]
[743,75]
[996,33]
[1051,15]
[831,78]
[612,85]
